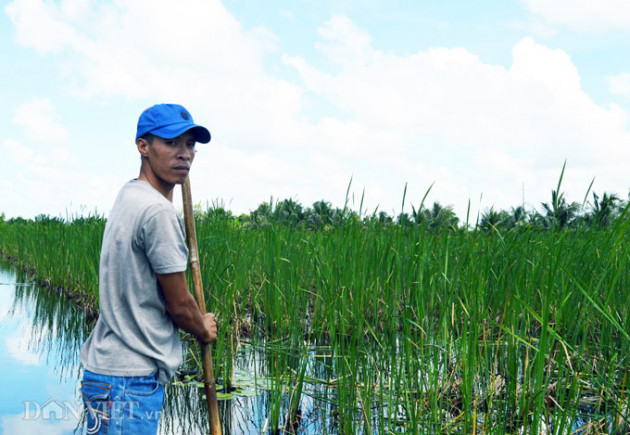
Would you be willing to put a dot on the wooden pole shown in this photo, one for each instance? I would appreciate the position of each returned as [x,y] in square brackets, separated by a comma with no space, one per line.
[206,354]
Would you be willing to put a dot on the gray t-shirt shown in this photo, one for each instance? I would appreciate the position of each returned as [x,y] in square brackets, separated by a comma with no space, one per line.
[134,335]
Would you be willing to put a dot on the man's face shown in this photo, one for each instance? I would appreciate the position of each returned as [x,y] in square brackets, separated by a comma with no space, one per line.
[170,159]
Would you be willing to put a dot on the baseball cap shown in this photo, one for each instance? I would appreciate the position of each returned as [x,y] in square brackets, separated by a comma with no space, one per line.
[168,121]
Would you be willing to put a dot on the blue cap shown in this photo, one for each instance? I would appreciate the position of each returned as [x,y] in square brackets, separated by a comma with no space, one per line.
[169,121]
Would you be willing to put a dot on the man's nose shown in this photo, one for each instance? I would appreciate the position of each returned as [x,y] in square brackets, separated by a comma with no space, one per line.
[185,153]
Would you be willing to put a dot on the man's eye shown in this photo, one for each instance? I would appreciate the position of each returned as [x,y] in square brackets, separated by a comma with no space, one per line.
[170,142]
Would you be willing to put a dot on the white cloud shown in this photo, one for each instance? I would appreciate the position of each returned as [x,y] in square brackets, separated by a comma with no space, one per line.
[583,15]
[192,50]
[52,181]
[17,423]
[440,115]
[619,84]
[16,151]
[445,107]
[37,117]
[42,27]
[353,43]
[18,349]
[19,345]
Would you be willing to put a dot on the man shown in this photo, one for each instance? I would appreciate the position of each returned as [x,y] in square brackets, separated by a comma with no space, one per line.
[134,348]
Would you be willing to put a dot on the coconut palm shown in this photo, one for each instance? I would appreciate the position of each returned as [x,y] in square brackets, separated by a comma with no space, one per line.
[518,216]
[384,218]
[319,215]
[262,215]
[288,211]
[559,214]
[436,218]
[217,213]
[603,211]
[495,220]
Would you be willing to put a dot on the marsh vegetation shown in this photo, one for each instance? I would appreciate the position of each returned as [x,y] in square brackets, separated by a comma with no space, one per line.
[333,321]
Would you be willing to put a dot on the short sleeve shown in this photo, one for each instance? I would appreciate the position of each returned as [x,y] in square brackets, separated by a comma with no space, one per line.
[164,242]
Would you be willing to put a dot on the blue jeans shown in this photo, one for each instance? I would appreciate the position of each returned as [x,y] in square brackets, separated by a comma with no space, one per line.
[122,405]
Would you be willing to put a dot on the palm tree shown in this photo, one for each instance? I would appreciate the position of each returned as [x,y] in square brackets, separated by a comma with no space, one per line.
[604,211]
[518,216]
[319,215]
[384,218]
[338,216]
[559,214]
[495,220]
[262,215]
[435,218]
[217,213]
[288,211]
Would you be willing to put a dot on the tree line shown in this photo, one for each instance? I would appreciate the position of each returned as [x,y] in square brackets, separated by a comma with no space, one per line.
[598,212]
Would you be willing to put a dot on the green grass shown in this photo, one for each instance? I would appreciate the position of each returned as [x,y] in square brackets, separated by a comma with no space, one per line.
[393,328]
[58,255]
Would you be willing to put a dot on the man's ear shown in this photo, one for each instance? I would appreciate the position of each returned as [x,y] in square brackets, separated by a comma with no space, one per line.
[143,146]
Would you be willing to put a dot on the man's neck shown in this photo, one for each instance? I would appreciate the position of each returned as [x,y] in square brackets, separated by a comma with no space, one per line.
[166,189]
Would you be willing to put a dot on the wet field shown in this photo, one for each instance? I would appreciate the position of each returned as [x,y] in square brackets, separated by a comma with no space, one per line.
[356,329]
[41,334]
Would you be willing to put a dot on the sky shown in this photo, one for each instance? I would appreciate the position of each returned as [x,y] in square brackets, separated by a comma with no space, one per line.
[352,102]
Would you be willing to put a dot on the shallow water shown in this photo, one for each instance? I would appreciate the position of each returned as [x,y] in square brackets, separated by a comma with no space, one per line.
[41,334]
[39,364]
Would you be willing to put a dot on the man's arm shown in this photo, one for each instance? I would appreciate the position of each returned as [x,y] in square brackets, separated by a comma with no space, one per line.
[182,308]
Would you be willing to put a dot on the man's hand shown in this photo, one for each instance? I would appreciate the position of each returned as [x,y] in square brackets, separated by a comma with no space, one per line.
[211,326]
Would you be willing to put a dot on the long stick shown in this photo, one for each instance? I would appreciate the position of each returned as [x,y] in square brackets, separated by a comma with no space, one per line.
[206,354]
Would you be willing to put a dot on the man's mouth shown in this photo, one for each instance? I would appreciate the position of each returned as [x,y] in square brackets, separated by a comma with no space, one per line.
[182,169]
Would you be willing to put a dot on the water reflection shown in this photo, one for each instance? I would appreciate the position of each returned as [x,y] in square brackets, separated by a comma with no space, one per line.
[39,365]
[250,409]
[41,334]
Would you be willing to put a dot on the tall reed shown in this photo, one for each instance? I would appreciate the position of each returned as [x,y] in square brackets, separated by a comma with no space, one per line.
[381,328]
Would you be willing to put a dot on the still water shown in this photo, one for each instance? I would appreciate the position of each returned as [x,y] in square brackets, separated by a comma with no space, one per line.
[41,334]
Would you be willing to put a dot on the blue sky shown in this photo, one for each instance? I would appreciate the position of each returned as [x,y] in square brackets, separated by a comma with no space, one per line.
[482,100]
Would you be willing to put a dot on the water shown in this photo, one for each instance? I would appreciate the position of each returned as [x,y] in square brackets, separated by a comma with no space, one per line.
[41,334]
[39,366]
